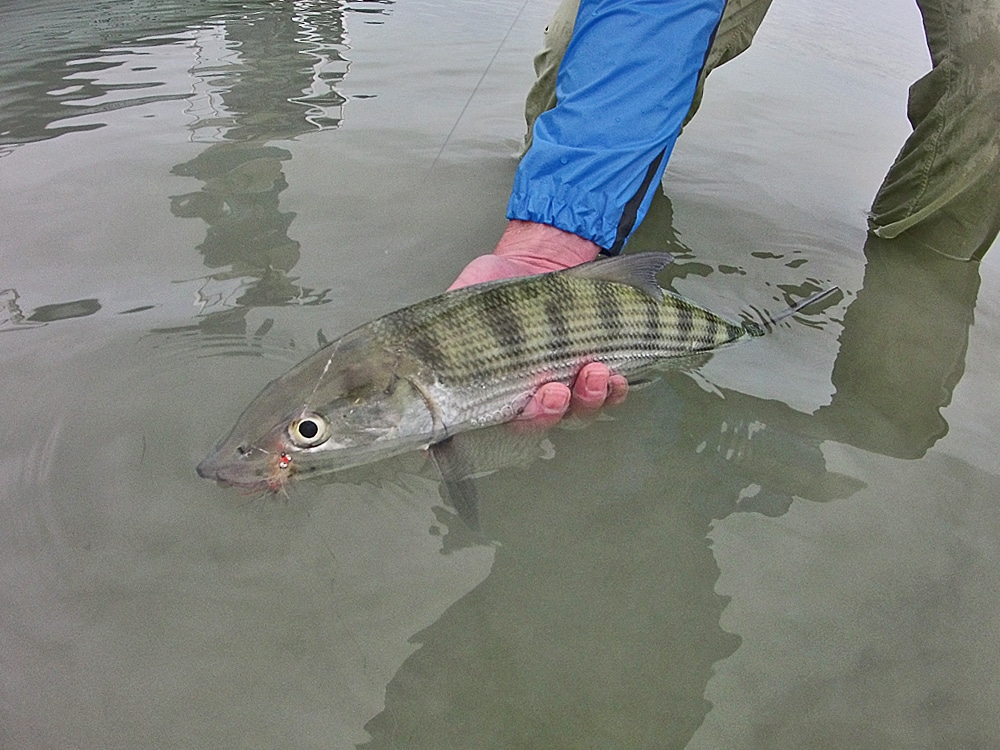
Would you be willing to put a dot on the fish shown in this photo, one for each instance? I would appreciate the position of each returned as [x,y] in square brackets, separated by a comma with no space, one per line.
[462,360]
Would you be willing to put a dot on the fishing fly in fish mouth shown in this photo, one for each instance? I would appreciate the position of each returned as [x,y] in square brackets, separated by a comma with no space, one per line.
[464,359]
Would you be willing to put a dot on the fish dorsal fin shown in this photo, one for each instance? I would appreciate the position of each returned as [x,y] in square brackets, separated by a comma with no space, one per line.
[638,271]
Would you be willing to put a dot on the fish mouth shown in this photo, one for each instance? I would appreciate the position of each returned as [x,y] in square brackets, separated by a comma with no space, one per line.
[232,475]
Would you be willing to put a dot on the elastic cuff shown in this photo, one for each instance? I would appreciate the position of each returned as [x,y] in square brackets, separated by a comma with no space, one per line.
[543,201]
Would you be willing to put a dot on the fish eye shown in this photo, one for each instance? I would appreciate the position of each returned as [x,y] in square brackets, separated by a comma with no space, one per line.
[309,430]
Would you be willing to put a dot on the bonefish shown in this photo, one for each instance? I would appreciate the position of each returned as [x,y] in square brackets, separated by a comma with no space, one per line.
[464,359]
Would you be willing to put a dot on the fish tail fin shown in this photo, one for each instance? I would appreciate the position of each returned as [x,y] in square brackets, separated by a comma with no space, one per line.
[760,329]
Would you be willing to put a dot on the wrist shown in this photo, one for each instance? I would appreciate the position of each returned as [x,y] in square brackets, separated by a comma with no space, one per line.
[544,246]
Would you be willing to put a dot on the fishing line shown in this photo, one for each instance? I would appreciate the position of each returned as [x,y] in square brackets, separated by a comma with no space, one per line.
[767,322]
[376,686]
[476,88]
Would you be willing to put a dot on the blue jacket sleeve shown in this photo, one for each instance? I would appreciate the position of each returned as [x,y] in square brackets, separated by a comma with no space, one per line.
[623,89]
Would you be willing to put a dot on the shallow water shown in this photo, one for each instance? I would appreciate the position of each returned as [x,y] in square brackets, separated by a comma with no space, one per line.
[796,548]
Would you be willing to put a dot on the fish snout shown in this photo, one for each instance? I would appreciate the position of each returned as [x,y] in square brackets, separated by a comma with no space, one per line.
[235,472]
[208,469]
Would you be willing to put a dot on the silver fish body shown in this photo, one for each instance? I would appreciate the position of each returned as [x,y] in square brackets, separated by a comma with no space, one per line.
[464,359]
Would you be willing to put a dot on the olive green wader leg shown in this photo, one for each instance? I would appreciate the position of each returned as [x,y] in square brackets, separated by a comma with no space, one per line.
[943,190]
[739,23]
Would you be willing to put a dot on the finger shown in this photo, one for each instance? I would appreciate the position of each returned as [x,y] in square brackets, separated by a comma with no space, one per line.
[549,404]
[617,390]
[591,387]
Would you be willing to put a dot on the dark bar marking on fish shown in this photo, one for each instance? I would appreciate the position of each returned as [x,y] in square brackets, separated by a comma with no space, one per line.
[505,325]
[651,330]
[724,331]
[609,312]
[706,331]
[685,320]
[427,348]
[554,308]
[713,329]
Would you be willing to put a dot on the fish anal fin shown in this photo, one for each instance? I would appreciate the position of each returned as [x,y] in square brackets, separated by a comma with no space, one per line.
[637,271]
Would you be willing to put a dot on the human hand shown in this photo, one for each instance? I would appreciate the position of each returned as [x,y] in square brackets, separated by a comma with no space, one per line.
[527,248]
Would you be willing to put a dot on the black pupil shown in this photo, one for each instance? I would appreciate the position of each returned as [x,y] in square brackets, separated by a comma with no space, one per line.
[308,429]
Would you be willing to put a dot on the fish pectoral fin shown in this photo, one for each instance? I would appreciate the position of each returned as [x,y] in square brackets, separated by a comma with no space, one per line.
[458,486]
[638,271]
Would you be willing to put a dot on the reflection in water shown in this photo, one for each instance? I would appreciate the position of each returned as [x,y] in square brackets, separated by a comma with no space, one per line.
[64,310]
[262,72]
[65,62]
[247,234]
[273,78]
[13,317]
[62,67]
[599,623]
[902,351]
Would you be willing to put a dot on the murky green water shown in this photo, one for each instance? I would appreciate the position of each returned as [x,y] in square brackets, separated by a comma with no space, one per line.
[799,548]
